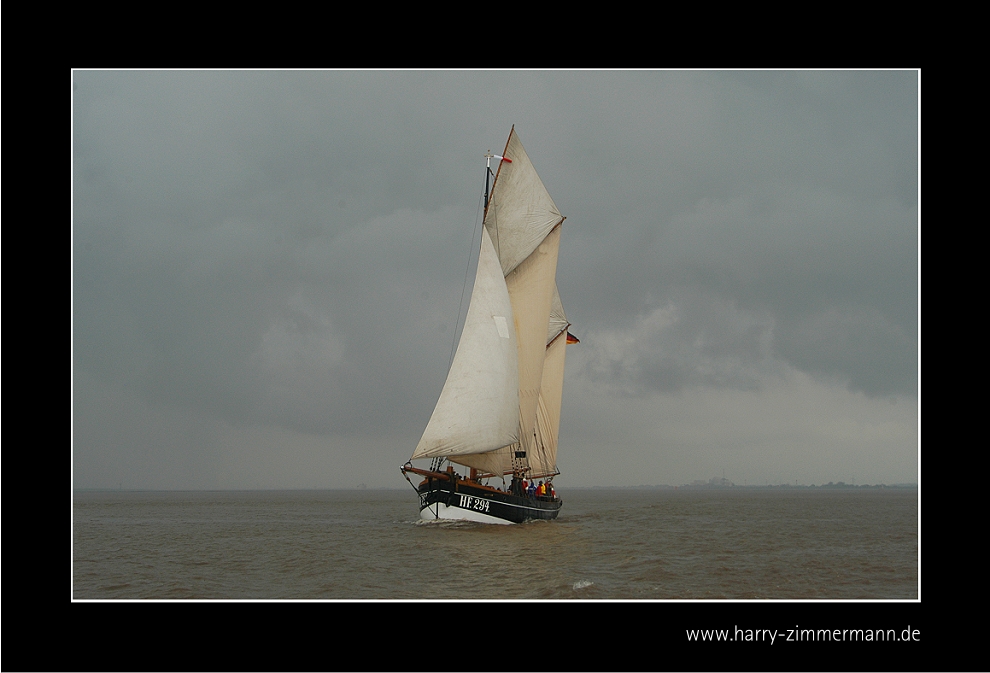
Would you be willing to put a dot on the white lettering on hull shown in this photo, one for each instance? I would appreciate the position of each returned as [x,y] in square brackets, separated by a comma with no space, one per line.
[471,502]
[441,511]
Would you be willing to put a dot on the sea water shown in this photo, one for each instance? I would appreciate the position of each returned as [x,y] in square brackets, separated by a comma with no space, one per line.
[645,544]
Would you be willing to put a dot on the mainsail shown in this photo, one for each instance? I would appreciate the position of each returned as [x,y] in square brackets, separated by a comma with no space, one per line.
[499,410]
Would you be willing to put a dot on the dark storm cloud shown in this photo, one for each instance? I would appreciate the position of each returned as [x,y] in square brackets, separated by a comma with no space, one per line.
[206,208]
[797,202]
[287,250]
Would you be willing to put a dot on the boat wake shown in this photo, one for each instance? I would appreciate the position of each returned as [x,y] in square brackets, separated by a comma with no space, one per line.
[448,523]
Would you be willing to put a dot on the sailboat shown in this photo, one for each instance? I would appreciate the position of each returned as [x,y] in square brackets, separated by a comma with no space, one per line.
[498,415]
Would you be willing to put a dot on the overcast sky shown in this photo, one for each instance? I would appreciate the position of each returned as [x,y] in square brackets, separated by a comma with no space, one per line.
[268,267]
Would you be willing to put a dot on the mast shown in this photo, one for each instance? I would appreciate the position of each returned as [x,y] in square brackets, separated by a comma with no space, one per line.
[488,172]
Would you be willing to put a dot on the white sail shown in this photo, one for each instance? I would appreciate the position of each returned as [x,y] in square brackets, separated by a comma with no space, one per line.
[558,321]
[530,286]
[494,462]
[544,460]
[520,212]
[472,423]
[524,224]
[478,409]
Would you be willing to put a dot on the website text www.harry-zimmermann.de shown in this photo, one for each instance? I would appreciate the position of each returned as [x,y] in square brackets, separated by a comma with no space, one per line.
[799,635]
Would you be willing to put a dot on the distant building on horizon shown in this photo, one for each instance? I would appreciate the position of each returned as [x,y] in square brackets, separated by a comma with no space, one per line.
[714,482]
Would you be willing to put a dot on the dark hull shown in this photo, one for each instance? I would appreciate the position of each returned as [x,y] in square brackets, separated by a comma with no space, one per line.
[443,499]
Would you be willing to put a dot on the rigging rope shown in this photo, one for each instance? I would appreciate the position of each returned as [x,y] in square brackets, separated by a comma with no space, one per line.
[467,274]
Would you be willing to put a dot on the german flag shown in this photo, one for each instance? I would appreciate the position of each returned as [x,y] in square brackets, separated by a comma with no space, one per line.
[571,339]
